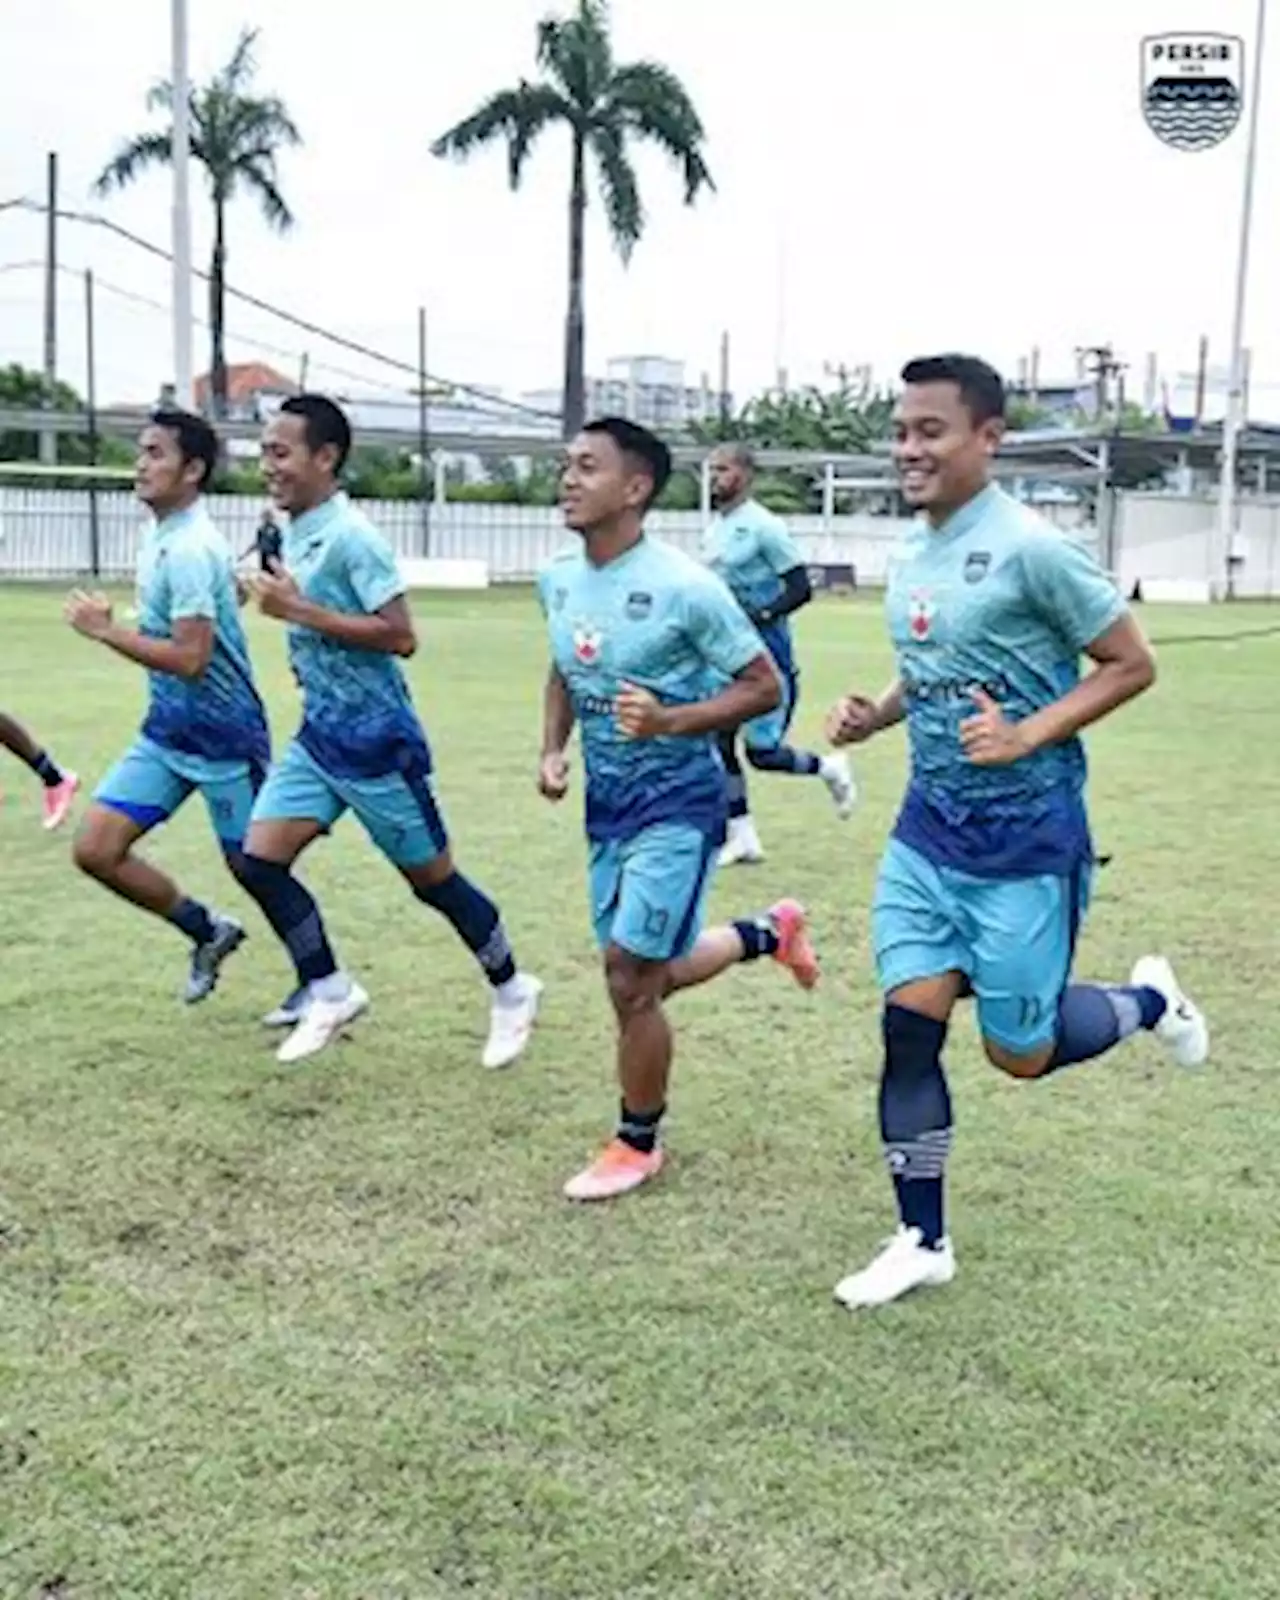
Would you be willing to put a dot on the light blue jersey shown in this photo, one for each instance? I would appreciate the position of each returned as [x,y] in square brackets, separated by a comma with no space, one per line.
[750,549]
[185,570]
[657,619]
[995,598]
[358,719]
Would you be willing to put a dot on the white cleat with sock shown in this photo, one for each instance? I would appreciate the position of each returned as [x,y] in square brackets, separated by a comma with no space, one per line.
[332,1005]
[511,1020]
[837,774]
[1182,1030]
[742,845]
[903,1265]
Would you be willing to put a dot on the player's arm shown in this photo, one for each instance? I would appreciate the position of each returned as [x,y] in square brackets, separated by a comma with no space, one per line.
[192,609]
[384,624]
[557,714]
[1078,600]
[1072,592]
[719,629]
[783,555]
[388,630]
[753,690]
[1124,667]
[856,718]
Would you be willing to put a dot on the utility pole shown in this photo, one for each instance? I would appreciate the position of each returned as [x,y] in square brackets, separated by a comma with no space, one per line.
[1098,361]
[49,439]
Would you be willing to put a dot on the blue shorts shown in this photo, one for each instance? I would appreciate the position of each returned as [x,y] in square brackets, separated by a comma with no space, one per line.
[149,783]
[397,811]
[769,732]
[648,893]
[1013,938]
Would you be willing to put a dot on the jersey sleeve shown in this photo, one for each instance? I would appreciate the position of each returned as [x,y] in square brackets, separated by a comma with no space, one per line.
[192,583]
[719,628]
[1071,590]
[778,548]
[372,569]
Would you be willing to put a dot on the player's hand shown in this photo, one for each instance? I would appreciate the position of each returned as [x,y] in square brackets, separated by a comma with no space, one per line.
[88,614]
[989,739]
[851,720]
[276,592]
[553,776]
[639,714]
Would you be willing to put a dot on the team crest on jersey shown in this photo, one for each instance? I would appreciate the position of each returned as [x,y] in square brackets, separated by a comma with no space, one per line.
[976,566]
[588,641]
[920,614]
[639,605]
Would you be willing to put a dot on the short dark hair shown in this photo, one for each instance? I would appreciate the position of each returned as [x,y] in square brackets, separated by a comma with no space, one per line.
[196,439]
[642,445]
[981,386]
[325,423]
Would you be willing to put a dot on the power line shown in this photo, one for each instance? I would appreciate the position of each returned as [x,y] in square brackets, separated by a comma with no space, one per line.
[91,219]
[158,306]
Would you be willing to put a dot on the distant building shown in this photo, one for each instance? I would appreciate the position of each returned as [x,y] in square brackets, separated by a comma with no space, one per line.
[253,389]
[648,389]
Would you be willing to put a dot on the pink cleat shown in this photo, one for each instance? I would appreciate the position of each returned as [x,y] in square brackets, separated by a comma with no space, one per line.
[616,1170]
[57,801]
[795,948]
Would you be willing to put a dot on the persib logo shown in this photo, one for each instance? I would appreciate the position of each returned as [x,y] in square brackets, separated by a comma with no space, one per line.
[1192,87]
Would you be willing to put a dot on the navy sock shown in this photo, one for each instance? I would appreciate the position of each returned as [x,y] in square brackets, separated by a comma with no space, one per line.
[915,1118]
[193,919]
[1093,1019]
[46,769]
[639,1129]
[477,923]
[759,937]
[293,914]
[800,763]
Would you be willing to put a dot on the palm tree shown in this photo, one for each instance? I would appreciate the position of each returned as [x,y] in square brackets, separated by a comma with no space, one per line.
[235,136]
[605,106]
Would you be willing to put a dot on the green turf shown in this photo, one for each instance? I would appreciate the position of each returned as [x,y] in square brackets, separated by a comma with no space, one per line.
[332,1332]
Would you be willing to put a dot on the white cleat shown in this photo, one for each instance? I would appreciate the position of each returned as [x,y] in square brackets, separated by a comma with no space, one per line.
[837,774]
[903,1265]
[743,844]
[321,1023]
[1182,1030]
[511,1022]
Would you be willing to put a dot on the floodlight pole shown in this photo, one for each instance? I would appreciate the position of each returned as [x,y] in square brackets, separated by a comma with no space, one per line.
[184,388]
[1233,423]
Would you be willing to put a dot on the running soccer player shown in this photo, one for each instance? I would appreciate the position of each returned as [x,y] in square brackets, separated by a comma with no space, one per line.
[985,882]
[59,785]
[360,746]
[758,559]
[205,728]
[652,656]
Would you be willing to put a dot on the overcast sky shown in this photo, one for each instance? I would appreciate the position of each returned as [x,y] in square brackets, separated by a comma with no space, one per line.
[891,177]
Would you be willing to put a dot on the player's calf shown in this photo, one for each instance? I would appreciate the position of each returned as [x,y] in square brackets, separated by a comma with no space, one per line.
[103,851]
[834,770]
[1092,1019]
[478,923]
[916,1130]
[332,998]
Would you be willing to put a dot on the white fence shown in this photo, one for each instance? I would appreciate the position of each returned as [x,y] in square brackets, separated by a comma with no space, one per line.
[1170,538]
[50,533]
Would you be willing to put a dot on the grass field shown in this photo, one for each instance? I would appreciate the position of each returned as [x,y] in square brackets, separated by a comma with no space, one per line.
[332,1333]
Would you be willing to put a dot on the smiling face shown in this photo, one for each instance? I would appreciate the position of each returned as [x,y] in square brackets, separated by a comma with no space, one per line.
[297,477]
[942,455]
[600,483]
